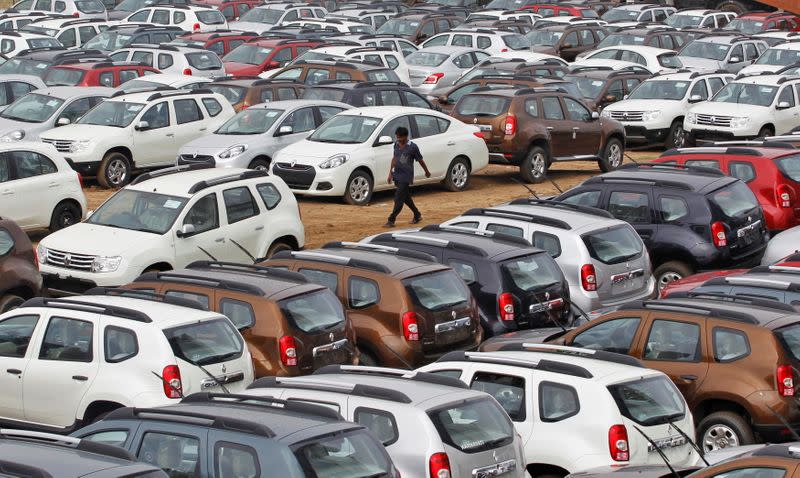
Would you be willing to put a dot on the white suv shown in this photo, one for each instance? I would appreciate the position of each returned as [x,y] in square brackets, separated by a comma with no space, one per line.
[654,111]
[754,106]
[68,362]
[192,18]
[490,41]
[138,131]
[333,24]
[774,59]
[73,8]
[71,32]
[186,60]
[700,18]
[12,43]
[274,14]
[591,400]
[169,219]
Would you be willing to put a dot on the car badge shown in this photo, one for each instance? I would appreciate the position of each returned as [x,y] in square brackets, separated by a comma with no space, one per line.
[546,296]
[194,155]
[332,336]
[749,219]
[494,456]
[294,161]
[475,121]
[453,313]
[625,114]
[224,369]
[67,259]
[713,119]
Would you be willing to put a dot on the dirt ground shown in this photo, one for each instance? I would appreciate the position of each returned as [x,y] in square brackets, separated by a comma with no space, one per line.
[329,219]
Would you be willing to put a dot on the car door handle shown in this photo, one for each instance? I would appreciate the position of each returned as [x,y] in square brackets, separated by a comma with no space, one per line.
[80,378]
[14,371]
[8,192]
[221,239]
[451,143]
[170,135]
[575,128]
[260,228]
[203,129]
[688,378]
[550,128]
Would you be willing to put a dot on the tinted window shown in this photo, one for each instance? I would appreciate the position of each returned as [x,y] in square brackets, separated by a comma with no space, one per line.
[201,299]
[414,100]
[734,200]
[483,105]
[208,342]
[354,454]
[614,335]
[629,206]
[576,111]
[362,292]
[120,344]
[187,111]
[649,401]
[67,340]
[328,279]
[313,312]
[673,208]
[204,215]
[464,270]
[508,390]
[157,116]
[15,335]
[586,198]
[743,171]
[673,341]
[392,98]
[165,61]
[176,455]
[240,313]
[269,194]
[730,345]
[212,106]
[473,426]
[557,402]
[614,245]
[552,108]
[239,204]
[235,461]
[381,424]
[437,291]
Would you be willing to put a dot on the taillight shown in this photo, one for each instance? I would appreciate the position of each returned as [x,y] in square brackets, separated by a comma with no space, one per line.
[433,79]
[618,443]
[172,381]
[410,327]
[718,234]
[80,179]
[785,381]
[505,304]
[588,278]
[783,195]
[187,71]
[76,15]
[511,124]
[439,465]
[478,134]
[288,348]
[196,27]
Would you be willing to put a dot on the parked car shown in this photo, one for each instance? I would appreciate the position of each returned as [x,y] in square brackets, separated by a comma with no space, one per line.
[667,38]
[655,60]
[274,14]
[19,269]
[699,18]
[70,32]
[123,9]
[164,80]
[490,41]
[124,35]
[419,26]
[601,87]
[220,42]
[755,22]
[332,24]
[102,73]
[35,62]
[380,56]
[15,20]
[639,13]
[546,66]
[264,54]
[192,18]
[776,58]
[434,70]
[14,42]
[313,72]
[14,87]
[366,93]
[722,52]
[72,8]
[566,40]
[245,92]
[173,59]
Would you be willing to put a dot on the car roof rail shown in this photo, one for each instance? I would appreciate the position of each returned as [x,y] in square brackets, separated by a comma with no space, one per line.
[412,375]
[329,258]
[739,299]
[775,268]
[739,151]
[673,168]
[431,241]
[498,236]
[207,183]
[539,89]
[227,33]
[369,84]
[145,295]
[274,81]
[594,211]
[265,271]
[764,142]
[175,276]
[420,256]
[692,308]
[542,364]
[744,280]
[141,90]
[267,402]
[307,383]
[601,355]
[85,306]
[166,171]
[234,78]
[180,415]
[519,215]
[88,446]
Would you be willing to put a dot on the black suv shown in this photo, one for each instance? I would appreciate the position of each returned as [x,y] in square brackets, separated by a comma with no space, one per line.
[36,61]
[127,34]
[516,285]
[690,218]
[667,38]
[366,93]
[602,86]
[244,435]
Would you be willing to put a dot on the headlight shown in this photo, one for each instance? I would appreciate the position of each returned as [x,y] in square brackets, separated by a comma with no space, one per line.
[739,122]
[13,136]
[80,145]
[651,115]
[605,113]
[41,253]
[106,264]
[334,161]
[233,151]
[691,118]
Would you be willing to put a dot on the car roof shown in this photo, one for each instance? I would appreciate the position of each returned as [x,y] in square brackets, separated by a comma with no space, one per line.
[577,220]
[292,104]
[720,39]
[398,264]
[736,150]
[159,312]
[389,111]
[639,49]
[767,79]
[474,239]
[180,183]
[69,92]
[696,179]
[58,460]
[791,45]
[171,78]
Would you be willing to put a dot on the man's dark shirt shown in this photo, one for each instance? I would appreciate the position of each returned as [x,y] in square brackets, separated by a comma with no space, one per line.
[404,167]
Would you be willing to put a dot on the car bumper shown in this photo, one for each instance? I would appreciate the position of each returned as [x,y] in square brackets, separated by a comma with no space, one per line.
[709,257]
[708,134]
[643,135]
[589,301]
[60,281]
[771,433]
[396,352]
[87,168]
[312,181]
[56,286]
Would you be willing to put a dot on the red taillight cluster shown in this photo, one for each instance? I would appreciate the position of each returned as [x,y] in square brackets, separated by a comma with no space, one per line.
[410,327]
[439,465]
[505,305]
[718,234]
[196,27]
[618,443]
[784,196]
[478,134]
[76,15]
[80,179]
[511,125]
[288,350]
[433,79]
[187,71]
[173,388]
[785,377]
[588,278]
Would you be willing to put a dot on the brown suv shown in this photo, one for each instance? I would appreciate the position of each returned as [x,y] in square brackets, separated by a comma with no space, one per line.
[448,101]
[407,309]
[534,127]
[243,92]
[418,27]
[312,72]
[292,326]
[566,40]
[601,86]
[19,273]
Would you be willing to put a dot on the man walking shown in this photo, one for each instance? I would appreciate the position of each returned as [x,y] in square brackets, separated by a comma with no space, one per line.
[402,173]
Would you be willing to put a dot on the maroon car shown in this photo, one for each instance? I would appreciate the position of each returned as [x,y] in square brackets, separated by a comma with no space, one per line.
[19,271]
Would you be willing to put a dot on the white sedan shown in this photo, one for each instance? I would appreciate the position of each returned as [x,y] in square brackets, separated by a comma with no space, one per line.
[656,60]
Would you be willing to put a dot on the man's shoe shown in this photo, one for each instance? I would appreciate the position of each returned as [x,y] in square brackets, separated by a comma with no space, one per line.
[388,224]
[416,220]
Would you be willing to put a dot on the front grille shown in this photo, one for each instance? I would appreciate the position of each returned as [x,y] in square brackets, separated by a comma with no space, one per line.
[298,176]
[61,145]
[627,115]
[69,260]
[196,159]
[714,120]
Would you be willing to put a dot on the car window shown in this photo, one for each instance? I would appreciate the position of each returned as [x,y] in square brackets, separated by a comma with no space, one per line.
[109,437]
[5,173]
[68,38]
[269,194]
[427,125]
[392,62]
[285,94]
[239,204]
[159,38]
[585,198]
[552,108]
[164,61]
[143,57]
[160,17]
[217,47]
[187,111]
[392,98]
[67,340]
[212,106]
[508,390]
[503,229]
[532,107]
[741,170]
[464,270]
[414,100]
[737,52]
[30,164]
[233,460]
[392,126]
[547,242]
[699,89]
[629,206]
[666,42]
[673,208]
[753,472]
[139,17]
[127,75]
[326,112]
[300,120]
[120,344]
[6,242]
[106,79]
[201,299]
[750,51]
[586,37]
[382,424]
[484,42]
[241,313]
[673,341]
[786,96]
[578,112]
[19,89]
[464,61]
[178,17]
[729,344]
[157,116]
[362,292]
[557,402]
[75,110]
[176,455]
[15,333]
[716,84]
[204,215]
[324,278]
[703,163]
[571,40]
[615,335]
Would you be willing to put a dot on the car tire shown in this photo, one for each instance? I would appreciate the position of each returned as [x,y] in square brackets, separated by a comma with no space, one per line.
[765,131]
[676,138]
[64,215]
[10,301]
[671,271]
[722,430]
[114,171]
[733,6]
[457,178]
[260,164]
[534,167]
[278,246]
[358,190]
[367,359]
[613,155]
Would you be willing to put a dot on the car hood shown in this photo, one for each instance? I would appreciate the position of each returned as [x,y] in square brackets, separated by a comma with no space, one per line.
[758,69]
[118,14]
[96,240]
[724,109]
[544,49]
[8,125]
[249,26]
[694,63]
[781,245]
[312,152]
[74,132]
[240,69]
[642,105]
[213,143]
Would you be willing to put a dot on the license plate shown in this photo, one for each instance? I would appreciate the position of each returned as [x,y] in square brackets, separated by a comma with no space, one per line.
[495,470]
[669,442]
[453,331]
[748,231]
[485,127]
[221,380]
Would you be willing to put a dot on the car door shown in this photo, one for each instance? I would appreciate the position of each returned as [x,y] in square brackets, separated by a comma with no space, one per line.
[18,336]
[632,203]
[189,124]
[437,147]
[244,224]
[381,155]
[295,126]
[207,241]
[14,204]
[587,133]
[616,332]
[35,177]
[787,111]
[156,144]
[178,449]
[515,391]
[64,366]
[570,47]
[560,129]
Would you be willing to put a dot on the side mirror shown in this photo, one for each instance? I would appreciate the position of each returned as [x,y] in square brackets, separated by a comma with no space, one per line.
[783,105]
[567,45]
[625,97]
[735,59]
[186,230]
[273,64]
[141,126]
[62,122]
[383,140]
[285,129]
[442,99]
[595,115]
[610,98]
[695,99]
[89,213]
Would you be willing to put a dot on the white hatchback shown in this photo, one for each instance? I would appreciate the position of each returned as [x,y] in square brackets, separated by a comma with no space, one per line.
[192,18]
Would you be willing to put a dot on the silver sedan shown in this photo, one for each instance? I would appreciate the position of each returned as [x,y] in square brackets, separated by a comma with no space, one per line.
[434,70]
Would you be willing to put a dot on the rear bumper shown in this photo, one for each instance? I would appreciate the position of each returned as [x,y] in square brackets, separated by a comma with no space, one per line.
[771,433]
[709,257]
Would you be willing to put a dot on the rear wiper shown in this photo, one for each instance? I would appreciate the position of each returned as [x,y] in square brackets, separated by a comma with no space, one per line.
[660,452]
[210,375]
[688,439]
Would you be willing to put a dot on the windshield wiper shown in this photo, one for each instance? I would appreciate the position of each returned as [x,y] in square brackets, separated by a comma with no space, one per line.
[659,451]
[213,359]
[17,118]
[691,442]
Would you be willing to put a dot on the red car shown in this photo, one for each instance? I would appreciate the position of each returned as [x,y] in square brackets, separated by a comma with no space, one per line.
[262,54]
[752,23]
[548,10]
[771,170]
[96,73]
[220,42]
[232,9]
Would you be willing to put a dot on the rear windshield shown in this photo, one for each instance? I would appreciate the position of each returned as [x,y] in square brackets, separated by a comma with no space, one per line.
[327,94]
[473,426]
[650,401]
[63,77]
[734,199]
[482,105]
[313,312]
[790,166]
[789,337]
[516,42]
[211,17]
[234,94]
[614,245]
[204,61]
[533,272]
[204,343]
[438,291]
[90,6]
[352,455]
[382,75]
[426,58]
[24,66]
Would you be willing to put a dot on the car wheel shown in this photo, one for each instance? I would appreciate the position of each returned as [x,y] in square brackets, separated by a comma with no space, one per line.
[367,359]
[676,137]
[723,430]
[612,155]
[359,189]
[259,164]
[10,301]
[766,131]
[671,271]
[534,167]
[457,177]
[115,171]
[277,247]
[64,215]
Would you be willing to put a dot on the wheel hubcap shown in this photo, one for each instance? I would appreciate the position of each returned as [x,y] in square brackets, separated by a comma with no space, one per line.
[116,172]
[614,155]
[718,437]
[359,189]
[261,167]
[678,139]
[668,277]
[459,175]
[537,166]
[66,219]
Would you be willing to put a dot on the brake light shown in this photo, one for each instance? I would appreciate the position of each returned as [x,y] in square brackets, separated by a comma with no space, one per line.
[785,381]
[588,278]
[504,50]
[478,134]
[511,124]
[783,196]
[439,465]
[505,304]
[196,27]
[288,349]
[76,15]
[410,327]
[187,71]
[718,234]
[618,443]
[172,381]
[433,79]
[80,179]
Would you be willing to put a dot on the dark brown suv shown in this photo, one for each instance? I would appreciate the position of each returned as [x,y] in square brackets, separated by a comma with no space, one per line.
[312,72]
[602,86]
[534,127]
[418,27]
[19,272]
[407,309]
[292,326]
[566,40]
[448,101]
[243,92]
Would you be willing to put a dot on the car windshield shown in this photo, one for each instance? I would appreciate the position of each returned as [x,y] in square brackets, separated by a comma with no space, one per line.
[205,343]
[139,211]
[733,200]
[249,54]
[543,37]
[90,6]
[683,21]
[204,61]
[132,5]
[482,105]
[589,87]
[475,72]
[314,312]
[790,166]
[620,15]
[269,16]
[426,58]
[118,114]
[399,27]
[705,49]
[210,17]
[746,94]
[474,425]
[649,401]
[779,56]
[353,455]
[620,39]
[51,32]
[108,41]
[346,129]
[327,94]
[613,245]
[234,94]
[748,27]
[660,90]
[250,121]
[63,77]
[24,66]
[670,60]
[32,108]
[532,272]
[139,84]
[437,291]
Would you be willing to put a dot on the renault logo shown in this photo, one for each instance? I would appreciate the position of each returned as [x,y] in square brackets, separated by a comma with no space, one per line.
[453,313]
[294,161]
[713,119]
[224,369]
[475,121]
[67,259]
[332,337]
[546,296]
[494,456]
[194,155]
